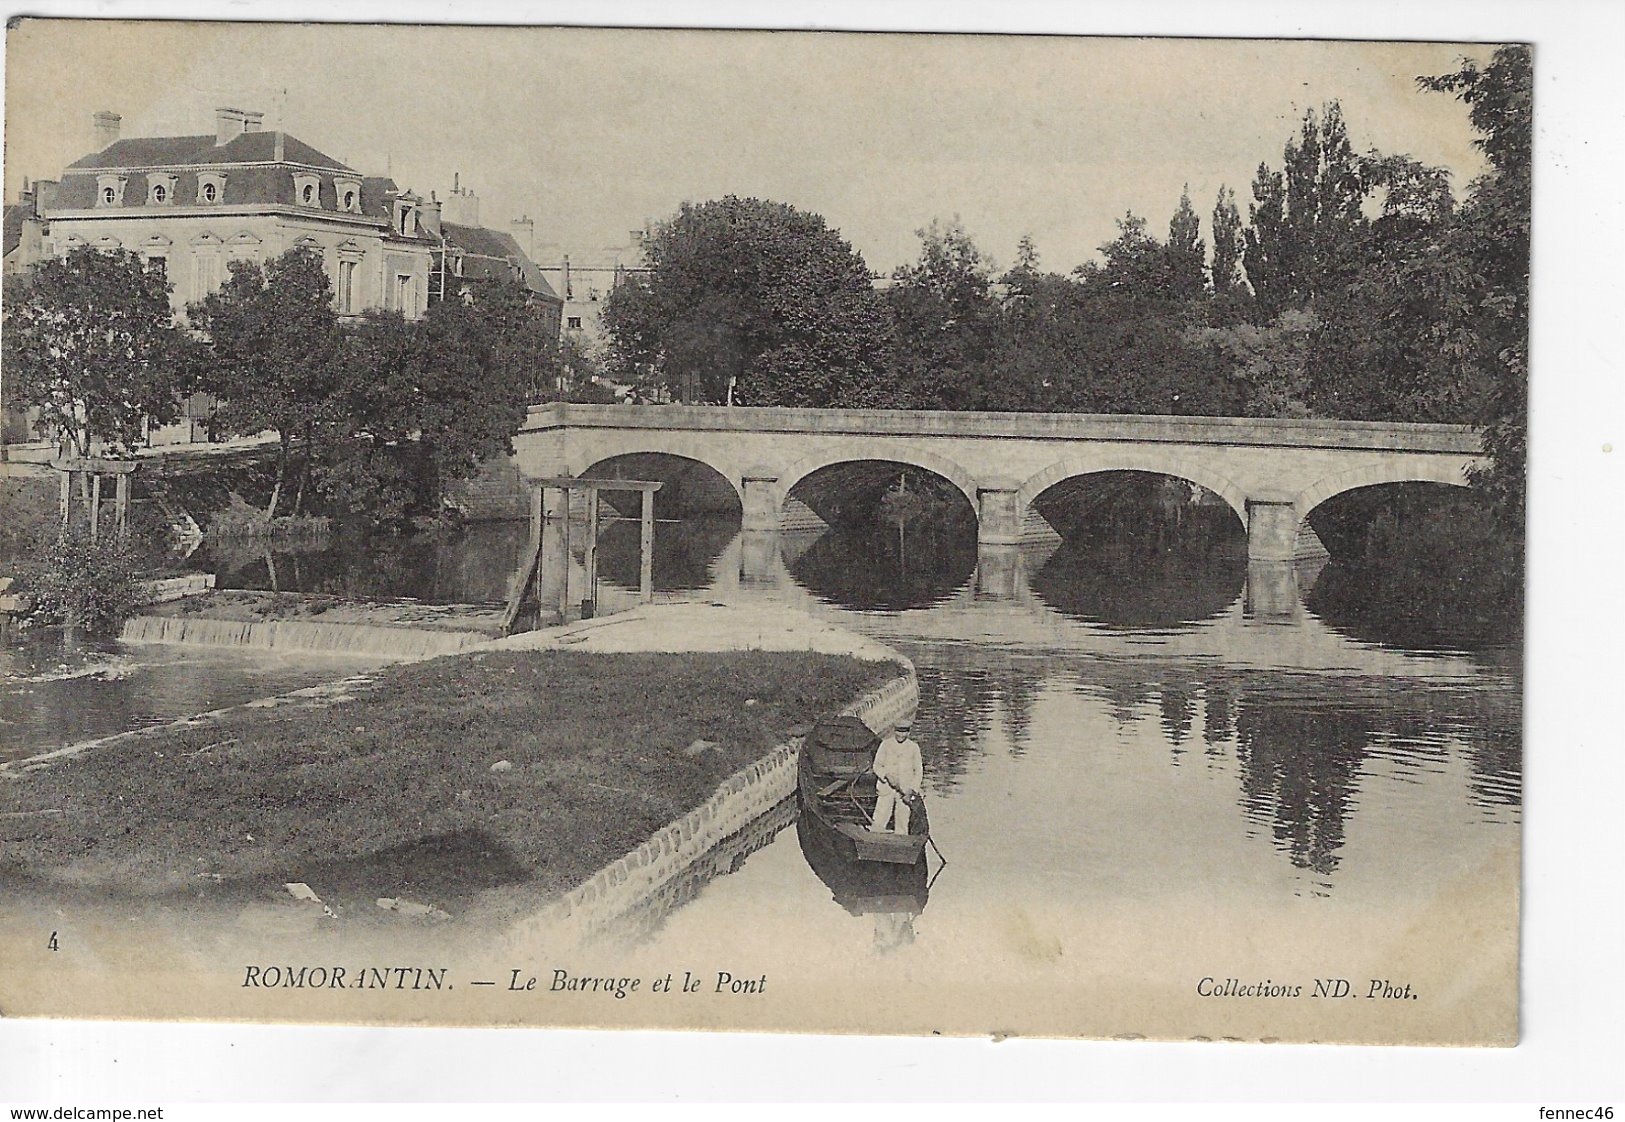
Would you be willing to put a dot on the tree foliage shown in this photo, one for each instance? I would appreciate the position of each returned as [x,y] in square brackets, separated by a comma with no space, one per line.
[274,342]
[1493,233]
[90,342]
[1303,216]
[756,294]
[946,321]
[1227,245]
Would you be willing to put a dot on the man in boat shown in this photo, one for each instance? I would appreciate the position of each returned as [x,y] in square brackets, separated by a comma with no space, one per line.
[899,775]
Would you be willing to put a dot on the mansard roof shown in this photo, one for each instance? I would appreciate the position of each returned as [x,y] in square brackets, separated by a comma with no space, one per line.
[178,151]
[494,255]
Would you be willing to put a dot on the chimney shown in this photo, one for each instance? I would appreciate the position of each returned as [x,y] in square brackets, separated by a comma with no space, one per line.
[524,232]
[462,206]
[229,124]
[277,153]
[253,121]
[429,216]
[105,128]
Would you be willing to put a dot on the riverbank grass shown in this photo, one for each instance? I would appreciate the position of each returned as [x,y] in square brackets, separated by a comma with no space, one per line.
[436,781]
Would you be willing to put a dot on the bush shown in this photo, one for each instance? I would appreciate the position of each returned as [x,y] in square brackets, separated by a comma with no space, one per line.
[94,586]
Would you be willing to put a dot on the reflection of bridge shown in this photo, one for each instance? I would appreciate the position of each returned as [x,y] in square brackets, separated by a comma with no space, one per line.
[1265,627]
[1271,472]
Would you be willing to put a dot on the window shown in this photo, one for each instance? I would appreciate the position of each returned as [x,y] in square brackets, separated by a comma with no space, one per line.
[405,297]
[160,189]
[308,190]
[346,286]
[110,190]
[211,187]
[348,194]
[158,264]
[575,323]
[205,273]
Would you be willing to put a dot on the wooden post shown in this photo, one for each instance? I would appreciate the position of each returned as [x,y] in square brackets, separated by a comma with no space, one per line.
[121,506]
[591,554]
[66,497]
[646,536]
[95,505]
[534,559]
[564,559]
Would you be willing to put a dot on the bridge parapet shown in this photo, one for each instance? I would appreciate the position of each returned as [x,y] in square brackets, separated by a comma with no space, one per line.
[1283,432]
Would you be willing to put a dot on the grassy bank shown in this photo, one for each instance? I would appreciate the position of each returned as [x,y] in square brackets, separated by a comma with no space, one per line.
[393,792]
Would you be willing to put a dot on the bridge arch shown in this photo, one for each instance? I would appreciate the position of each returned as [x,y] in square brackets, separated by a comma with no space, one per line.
[677,444]
[1427,470]
[954,473]
[692,483]
[1159,463]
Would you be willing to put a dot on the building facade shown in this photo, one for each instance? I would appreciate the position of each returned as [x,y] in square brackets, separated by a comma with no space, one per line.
[584,279]
[191,205]
[470,255]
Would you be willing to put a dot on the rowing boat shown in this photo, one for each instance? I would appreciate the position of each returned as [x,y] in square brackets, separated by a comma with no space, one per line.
[835,788]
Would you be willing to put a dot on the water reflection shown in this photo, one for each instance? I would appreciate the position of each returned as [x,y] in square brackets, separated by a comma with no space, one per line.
[1135,712]
[882,568]
[473,566]
[685,554]
[1138,583]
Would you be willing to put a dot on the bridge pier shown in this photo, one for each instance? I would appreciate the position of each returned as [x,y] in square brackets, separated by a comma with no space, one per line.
[760,500]
[1272,527]
[998,513]
[759,559]
[998,573]
[1272,592]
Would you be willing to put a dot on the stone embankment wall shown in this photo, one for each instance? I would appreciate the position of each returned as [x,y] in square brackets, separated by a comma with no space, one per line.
[600,906]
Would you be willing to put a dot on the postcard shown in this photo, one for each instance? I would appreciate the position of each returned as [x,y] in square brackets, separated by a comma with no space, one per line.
[764,531]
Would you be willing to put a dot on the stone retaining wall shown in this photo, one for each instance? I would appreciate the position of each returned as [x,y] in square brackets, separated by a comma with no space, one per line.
[597,905]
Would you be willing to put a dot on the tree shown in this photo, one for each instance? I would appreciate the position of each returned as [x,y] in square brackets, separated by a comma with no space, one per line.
[1303,217]
[90,342]
[1227,245]
[1186,280]
[946,322]
[1493,233]
[453,386]
[275,343]
[758,295]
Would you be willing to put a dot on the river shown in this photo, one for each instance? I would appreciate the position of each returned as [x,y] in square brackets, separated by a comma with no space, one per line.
[1096,717]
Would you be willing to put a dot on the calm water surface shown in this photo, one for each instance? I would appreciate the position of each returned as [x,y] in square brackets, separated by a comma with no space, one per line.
[1099,721]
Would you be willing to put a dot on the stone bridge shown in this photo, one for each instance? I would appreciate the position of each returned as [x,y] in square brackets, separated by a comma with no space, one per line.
[1272,473]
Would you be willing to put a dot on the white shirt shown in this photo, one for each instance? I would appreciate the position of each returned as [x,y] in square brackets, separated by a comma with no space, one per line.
[899,761]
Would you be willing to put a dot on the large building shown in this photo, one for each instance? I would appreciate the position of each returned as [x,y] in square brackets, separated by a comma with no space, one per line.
[586,277]
[192,204]
[472,255]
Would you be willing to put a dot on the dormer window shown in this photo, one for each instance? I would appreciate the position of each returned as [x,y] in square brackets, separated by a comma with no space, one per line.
[160,189]
[307,189]
[406,216]
[110,190]
[348,193]
[211,188]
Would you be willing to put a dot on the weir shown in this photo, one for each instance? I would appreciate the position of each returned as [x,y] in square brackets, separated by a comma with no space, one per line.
[301,635]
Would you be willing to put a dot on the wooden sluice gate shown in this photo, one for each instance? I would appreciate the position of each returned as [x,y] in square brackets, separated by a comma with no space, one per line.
[544,567]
